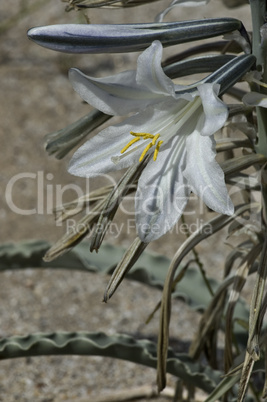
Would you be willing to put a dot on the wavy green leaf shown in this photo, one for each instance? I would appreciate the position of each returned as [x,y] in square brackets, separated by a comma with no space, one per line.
[116,346]
[150,269]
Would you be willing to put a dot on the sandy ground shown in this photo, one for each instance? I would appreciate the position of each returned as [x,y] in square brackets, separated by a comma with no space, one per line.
[36,98]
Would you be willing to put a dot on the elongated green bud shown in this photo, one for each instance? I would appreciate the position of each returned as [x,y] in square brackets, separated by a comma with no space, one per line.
[227,75]
[90,38]
[232,72]
[61,142]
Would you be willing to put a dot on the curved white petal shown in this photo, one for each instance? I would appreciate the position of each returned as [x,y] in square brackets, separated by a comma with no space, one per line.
[115,95]
[150,74]
[255,99]
[96,155]
[102,153]
[162,192]
[174,3]
[215,110]
[205,175]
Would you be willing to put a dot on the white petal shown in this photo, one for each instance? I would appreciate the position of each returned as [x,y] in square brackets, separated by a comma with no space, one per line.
[215,110]
[115,95]
[102,153]
[150,73]
[184,3]
[162,192]
[95,156]
[255,99]
[205,175]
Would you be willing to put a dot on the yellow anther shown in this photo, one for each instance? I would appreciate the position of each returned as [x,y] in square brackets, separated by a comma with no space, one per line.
[155,139]
[157,150]
[147,148]
[129,144]
[148,136]
[145,136]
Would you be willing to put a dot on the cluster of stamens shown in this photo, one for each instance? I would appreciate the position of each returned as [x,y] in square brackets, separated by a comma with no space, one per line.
[145,136]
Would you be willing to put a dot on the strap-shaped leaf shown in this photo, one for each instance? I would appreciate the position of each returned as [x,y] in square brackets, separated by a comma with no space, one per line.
[116,346]
[99,38]
[150,269]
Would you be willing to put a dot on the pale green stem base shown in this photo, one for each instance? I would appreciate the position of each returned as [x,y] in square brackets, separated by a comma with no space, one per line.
[258,11]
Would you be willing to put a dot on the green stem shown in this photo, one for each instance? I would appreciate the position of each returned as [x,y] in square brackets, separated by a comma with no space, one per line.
[261,146]
[258,12]
[258,9]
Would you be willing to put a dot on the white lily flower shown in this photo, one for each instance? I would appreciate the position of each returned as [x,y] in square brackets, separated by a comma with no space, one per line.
[175,128]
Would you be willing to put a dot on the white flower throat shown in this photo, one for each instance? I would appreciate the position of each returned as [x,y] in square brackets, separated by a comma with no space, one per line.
[145,136]
[168,126]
